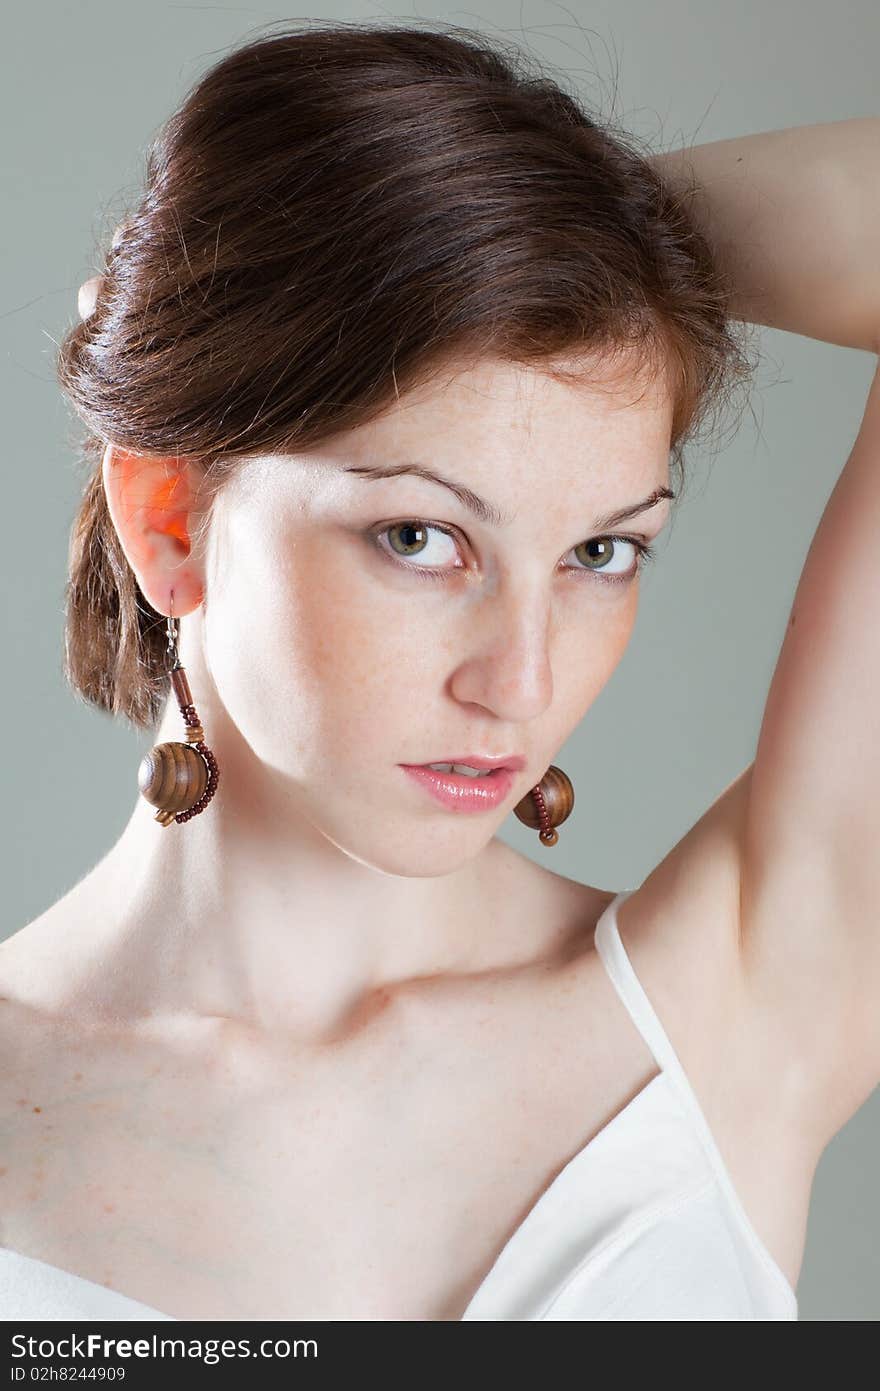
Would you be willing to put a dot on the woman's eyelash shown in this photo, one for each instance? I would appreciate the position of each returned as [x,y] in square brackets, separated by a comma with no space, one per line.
[645,553]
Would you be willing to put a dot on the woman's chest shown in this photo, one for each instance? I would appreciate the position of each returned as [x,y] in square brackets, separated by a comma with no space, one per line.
[374,1182]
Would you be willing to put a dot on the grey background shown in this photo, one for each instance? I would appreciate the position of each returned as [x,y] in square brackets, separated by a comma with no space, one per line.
[84,87]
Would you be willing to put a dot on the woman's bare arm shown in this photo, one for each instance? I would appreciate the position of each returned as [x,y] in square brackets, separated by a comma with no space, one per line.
[794,218]
[793,215]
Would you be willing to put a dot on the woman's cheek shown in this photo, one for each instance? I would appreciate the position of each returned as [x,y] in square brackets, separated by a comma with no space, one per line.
[351,632]
[595,661]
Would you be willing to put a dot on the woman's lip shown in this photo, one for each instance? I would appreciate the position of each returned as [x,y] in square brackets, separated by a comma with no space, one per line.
[461,793]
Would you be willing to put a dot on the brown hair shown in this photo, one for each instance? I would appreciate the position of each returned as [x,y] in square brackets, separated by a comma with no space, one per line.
[333,212]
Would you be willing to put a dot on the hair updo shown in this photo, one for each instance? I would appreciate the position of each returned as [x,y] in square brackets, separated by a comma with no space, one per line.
[332,214]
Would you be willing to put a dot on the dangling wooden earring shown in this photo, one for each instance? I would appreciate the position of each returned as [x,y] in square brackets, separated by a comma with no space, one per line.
[547,805]
[179,779]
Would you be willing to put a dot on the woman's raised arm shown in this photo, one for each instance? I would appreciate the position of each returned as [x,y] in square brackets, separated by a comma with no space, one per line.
[794,219]
[795,216]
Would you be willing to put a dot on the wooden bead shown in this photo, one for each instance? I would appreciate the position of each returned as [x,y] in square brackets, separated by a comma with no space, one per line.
[180,684]
[172,777]
[558,796]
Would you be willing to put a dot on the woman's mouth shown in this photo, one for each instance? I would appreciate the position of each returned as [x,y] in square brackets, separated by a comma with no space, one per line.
[474,791]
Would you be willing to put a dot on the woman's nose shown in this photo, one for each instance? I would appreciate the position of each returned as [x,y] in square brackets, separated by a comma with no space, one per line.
[507,666]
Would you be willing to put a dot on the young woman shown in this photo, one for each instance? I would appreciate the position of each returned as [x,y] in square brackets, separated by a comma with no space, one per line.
[382,381]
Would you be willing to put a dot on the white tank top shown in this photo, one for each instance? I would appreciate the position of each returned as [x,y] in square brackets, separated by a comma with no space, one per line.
[643,1223]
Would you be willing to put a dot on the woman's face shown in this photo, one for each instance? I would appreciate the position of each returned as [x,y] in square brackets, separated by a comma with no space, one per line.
[354,624]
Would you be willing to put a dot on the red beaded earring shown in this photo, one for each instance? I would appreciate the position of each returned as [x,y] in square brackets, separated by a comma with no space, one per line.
[547,805]
[179,779]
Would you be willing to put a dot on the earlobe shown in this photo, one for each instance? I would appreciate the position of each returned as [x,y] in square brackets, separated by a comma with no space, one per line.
[151,504]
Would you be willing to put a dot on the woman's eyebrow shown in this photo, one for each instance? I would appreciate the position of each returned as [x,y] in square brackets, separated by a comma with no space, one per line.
[484,510]
[626,512]
[466,496]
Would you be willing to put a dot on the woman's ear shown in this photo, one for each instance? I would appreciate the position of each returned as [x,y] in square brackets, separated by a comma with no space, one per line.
[87,297]
[153,504]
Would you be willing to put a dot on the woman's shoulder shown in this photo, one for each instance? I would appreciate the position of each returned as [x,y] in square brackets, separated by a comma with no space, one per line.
[45,962]
[553,911]
[35,956]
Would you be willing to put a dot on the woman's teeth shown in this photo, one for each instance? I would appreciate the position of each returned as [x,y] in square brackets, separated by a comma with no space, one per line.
[460,768]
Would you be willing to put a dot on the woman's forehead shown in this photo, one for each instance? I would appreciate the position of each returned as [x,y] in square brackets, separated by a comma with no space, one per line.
[495,429]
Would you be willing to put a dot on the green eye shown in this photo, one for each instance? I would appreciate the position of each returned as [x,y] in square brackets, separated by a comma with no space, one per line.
[412,534]
[598,563]
[414,538]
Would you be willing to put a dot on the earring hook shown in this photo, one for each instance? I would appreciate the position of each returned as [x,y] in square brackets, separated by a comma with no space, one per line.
[172,628]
